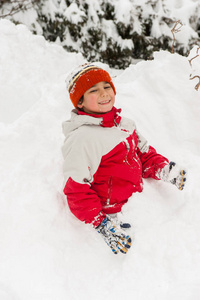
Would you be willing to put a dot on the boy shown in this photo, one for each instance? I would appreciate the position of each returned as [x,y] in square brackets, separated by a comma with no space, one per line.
[105,157]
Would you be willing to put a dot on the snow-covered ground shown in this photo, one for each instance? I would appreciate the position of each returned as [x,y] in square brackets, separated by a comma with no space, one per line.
[47,254]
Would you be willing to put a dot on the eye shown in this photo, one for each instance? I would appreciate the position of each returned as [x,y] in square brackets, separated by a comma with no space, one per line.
[107,87]
[93,91]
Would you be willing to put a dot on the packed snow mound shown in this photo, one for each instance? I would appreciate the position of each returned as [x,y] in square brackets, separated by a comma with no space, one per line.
[45,252]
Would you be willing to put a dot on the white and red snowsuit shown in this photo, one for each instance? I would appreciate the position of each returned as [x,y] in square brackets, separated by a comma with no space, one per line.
[105,158]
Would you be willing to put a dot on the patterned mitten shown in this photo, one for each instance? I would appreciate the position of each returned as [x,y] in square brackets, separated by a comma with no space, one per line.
[114,237]
[174,174]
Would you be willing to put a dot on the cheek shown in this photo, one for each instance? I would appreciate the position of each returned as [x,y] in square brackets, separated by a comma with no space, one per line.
[92,99]
[112,94]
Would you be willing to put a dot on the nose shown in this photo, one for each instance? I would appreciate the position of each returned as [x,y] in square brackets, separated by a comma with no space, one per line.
[103,93]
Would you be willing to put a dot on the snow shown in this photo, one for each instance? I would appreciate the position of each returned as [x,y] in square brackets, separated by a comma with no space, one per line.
[73,13]
[124,12]
[45,252]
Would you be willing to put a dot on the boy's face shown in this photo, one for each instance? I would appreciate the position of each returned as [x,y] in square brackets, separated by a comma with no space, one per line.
[98,99]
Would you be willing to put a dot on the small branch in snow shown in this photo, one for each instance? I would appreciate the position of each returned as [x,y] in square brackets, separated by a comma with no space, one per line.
[19,5]
[196,76]
[175,30]
[190,60]
[198,84]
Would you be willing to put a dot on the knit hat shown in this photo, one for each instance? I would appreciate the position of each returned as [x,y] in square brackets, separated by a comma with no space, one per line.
[83,78]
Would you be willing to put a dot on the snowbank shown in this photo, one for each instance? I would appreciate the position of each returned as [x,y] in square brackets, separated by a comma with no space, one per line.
[47,254]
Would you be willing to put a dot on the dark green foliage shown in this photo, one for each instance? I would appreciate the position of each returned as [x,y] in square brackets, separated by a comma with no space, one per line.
[198,27]
[126,32]
[146,26]
[95,35]
[115,56]
[108,10]
[53,28]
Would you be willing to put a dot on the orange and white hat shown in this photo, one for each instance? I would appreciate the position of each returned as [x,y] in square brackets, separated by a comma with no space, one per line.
[83,78]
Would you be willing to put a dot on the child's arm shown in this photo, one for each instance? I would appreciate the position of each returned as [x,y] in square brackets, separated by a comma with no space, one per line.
[151,161]
[156,166]
[85,205]
[81,161]
[83,202]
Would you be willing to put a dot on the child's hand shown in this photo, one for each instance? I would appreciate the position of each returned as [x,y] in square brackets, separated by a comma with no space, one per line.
[174,174]
[114,237]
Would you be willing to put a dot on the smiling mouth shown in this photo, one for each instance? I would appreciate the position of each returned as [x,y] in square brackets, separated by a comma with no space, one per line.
[104,102]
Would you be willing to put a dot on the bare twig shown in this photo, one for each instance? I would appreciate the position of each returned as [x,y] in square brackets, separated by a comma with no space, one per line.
[190,60]
[196,76]
[175,30]
[198,84]
[18,5]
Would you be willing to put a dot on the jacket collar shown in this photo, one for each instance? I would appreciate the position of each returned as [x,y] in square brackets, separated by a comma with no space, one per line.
[109,119]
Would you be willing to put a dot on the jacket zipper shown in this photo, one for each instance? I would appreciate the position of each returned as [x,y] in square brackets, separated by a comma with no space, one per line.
[109,190]
[110,179]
